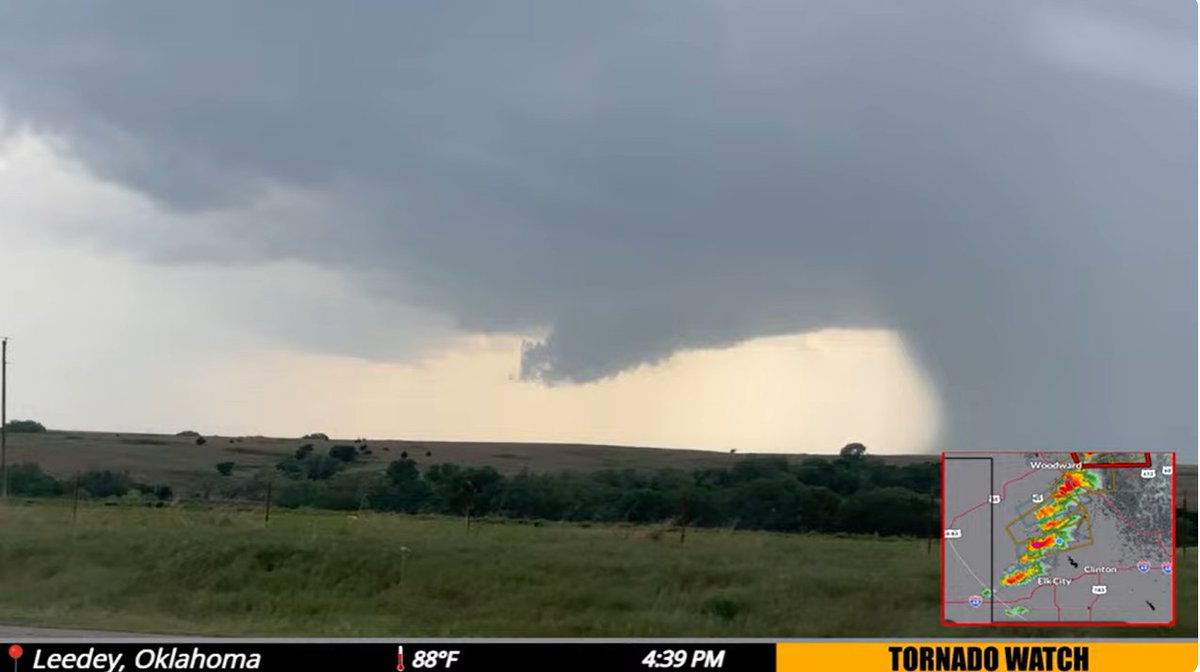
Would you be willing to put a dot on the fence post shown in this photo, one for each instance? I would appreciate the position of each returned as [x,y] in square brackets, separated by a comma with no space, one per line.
[267,515]
[75,503]
[929,540]
[683,521]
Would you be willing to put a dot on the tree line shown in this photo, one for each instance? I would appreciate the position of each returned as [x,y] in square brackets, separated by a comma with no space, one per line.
[851,493]
[28,480]
[845,494]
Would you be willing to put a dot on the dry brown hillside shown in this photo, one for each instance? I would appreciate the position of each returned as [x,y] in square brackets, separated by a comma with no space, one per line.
[178,460]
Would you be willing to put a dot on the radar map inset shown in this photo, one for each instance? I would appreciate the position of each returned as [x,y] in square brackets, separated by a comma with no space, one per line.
[1044,538]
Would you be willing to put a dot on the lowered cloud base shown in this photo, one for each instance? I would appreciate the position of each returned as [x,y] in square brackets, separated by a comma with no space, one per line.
[1013,198]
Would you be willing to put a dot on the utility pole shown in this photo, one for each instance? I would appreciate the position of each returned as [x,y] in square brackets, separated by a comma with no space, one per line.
[4,414]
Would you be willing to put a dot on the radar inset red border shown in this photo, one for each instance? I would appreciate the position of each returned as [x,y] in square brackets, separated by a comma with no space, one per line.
[1074,456]
[1112,465]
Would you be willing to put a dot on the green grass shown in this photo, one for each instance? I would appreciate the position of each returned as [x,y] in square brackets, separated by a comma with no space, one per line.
[223,571]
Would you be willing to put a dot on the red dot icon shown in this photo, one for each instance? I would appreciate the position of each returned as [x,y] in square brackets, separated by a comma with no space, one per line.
[15,651]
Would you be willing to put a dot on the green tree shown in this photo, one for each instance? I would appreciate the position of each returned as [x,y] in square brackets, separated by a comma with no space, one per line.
[843,476]
[751,468]
[298,493]
[104,483]
[403,470]
[25,426]
[457,490]
[643,505]
[321,467]
[400,489]
[29,480]
[889,511]
[346,491]
[1185,528]
[314,467]
[529,495]
[775,503]
[853,450]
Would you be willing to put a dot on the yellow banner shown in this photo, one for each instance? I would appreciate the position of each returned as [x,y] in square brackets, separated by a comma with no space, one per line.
[980,656]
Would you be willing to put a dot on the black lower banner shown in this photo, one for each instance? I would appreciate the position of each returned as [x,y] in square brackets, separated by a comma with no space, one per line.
[611,656]
[383,657]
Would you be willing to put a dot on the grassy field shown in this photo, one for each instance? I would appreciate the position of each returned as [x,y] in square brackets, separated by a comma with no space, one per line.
[224,571]
[177,461]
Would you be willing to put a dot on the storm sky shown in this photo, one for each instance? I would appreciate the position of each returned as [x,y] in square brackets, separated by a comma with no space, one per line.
[985,212]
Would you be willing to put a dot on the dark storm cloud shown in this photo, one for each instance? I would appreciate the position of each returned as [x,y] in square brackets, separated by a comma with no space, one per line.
[1012,192]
